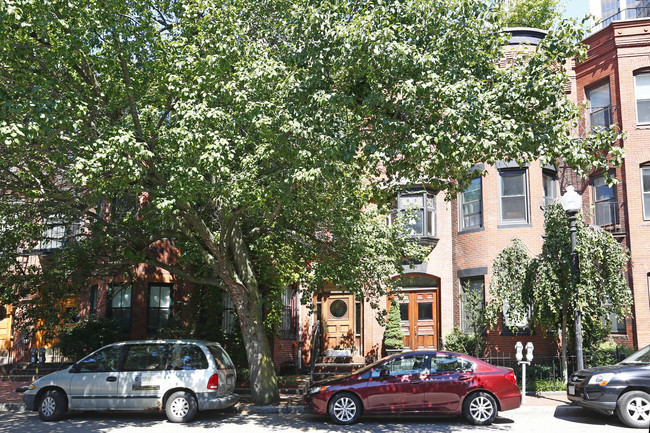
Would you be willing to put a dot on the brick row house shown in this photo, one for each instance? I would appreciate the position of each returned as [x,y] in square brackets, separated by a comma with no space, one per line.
[465,235]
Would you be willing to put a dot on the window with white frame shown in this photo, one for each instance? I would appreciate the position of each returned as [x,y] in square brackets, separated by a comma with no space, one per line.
[120,307]
[605,203]
[518,322]
[549,180]
[642,93]
[159,312]
[513,192]
[471,205]
[645,185]
[613,321]
[600,106]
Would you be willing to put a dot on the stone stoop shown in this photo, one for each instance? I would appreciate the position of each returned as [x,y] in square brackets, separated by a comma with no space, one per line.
[330,366]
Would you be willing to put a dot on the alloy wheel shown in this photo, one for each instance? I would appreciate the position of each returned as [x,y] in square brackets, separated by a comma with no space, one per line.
[345,409]
[481,409]
[639,409]
[48,406]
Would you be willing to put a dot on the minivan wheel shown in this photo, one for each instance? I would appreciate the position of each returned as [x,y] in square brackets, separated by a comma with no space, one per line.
[181,406]
[480,408]
[345,408]
[633,408]
[52,405]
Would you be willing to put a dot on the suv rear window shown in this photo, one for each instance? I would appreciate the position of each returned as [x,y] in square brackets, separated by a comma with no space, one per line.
[221,357]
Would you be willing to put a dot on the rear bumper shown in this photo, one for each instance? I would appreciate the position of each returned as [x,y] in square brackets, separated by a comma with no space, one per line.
[207,401]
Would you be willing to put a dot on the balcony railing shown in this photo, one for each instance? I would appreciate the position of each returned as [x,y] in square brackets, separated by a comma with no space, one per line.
[607,215]
[624,14]
[598,117]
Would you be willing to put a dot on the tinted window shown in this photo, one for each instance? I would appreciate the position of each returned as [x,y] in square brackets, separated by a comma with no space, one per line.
[145,357]
[187,357]
[443,363]
[221,357]
[403,365]
[101,361]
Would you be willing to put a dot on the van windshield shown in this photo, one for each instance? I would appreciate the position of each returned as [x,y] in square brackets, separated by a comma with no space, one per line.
[221,357]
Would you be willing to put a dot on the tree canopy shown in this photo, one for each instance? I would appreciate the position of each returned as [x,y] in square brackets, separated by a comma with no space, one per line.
[539,14]
[544,287]
[262,139]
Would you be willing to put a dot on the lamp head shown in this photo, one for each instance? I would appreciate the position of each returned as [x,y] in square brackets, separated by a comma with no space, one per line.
[571,200]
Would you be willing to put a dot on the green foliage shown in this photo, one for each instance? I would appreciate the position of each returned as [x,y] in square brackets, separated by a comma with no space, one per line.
[249,131]
[540,14]
[607,353]
[458,341]
[87,336]
[546,285]
[394,336]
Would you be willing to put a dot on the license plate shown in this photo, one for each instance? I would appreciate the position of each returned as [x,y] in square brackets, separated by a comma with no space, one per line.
[572,390]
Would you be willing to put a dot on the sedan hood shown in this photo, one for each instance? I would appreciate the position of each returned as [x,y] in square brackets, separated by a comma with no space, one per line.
[617,368]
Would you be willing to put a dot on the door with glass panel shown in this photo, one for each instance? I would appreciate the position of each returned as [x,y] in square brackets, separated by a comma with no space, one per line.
[339,319]
[419,316]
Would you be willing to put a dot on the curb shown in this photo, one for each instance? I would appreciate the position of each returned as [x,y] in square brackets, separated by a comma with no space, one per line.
[12,407]
[239,409]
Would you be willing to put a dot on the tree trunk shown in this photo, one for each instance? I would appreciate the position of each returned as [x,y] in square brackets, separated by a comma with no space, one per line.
[264,384]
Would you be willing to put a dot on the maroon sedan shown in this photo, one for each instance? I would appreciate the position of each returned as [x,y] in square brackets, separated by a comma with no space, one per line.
[418,382]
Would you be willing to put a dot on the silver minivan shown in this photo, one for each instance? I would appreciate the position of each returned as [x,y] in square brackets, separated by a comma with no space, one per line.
[180,377]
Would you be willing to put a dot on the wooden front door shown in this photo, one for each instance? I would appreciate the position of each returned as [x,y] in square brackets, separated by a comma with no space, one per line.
[419,314]
[338,316]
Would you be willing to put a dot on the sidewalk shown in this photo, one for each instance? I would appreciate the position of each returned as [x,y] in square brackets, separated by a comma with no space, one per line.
[290,402]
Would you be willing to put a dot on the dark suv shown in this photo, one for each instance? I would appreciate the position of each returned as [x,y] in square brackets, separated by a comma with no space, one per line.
[623,388]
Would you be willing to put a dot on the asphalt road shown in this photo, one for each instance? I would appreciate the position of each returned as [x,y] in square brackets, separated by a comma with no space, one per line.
[522,420]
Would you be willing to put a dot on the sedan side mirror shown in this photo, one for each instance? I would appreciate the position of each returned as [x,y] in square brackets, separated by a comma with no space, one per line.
[384,373]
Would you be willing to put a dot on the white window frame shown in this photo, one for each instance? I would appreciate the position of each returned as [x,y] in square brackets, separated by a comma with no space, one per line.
[644,193]
[526,195]
[638,97]
[461,207]
[548,199]
[614,204]
[606,109]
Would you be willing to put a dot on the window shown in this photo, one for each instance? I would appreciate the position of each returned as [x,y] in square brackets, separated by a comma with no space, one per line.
[92,301]
[145,357]
[645,182]
[600,106]
[612,321]
[221,357]
[187,357]
[642,92]
[57,234]
[550,187]
[605,203]
[421,217]
[104,360]
[472,302]
[514,196]
[519,323]
[447,362]
[471,208]
[160,309]
[288,324]
[404,365]
[228,318]
[121,307]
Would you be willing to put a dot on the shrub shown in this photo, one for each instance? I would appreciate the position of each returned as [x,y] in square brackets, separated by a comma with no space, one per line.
[88,335]
[394,336]
[458,341]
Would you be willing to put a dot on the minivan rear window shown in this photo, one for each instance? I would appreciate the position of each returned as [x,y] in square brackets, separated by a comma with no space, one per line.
[187,357]
[221,357]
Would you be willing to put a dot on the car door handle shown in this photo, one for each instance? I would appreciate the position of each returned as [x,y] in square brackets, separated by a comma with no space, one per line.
[464,377]
[111,379]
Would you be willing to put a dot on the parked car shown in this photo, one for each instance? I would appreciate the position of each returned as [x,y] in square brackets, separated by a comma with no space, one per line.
[427,382]
[177,376]
[623,388]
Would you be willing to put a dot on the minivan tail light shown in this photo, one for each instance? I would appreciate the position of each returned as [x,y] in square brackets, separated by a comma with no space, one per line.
[213,383]
[511,377]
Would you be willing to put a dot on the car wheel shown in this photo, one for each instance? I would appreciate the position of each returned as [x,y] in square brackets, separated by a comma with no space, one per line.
[181,406]
[480,408]
[633,408]
[52,405]
[345,408]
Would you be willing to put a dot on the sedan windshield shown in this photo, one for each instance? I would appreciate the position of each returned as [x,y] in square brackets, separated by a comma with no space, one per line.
[640,357]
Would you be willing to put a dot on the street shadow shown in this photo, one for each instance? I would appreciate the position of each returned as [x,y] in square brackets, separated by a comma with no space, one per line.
[580,415]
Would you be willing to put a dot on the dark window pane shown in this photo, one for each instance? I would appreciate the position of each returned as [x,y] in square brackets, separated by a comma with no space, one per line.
[338,308]
[102,361]
[221,357]
[425,311]
[513,208]
[145,357]
[643,111]
[358,318]
[513,183]
[404,312]
[645,173]
[187,357]
[646,204]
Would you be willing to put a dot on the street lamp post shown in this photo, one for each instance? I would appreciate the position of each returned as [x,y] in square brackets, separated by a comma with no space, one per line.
[571,202]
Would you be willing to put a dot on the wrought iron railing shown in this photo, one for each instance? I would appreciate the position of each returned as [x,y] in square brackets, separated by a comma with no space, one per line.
[624,14]
[315,350]
[597,117]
